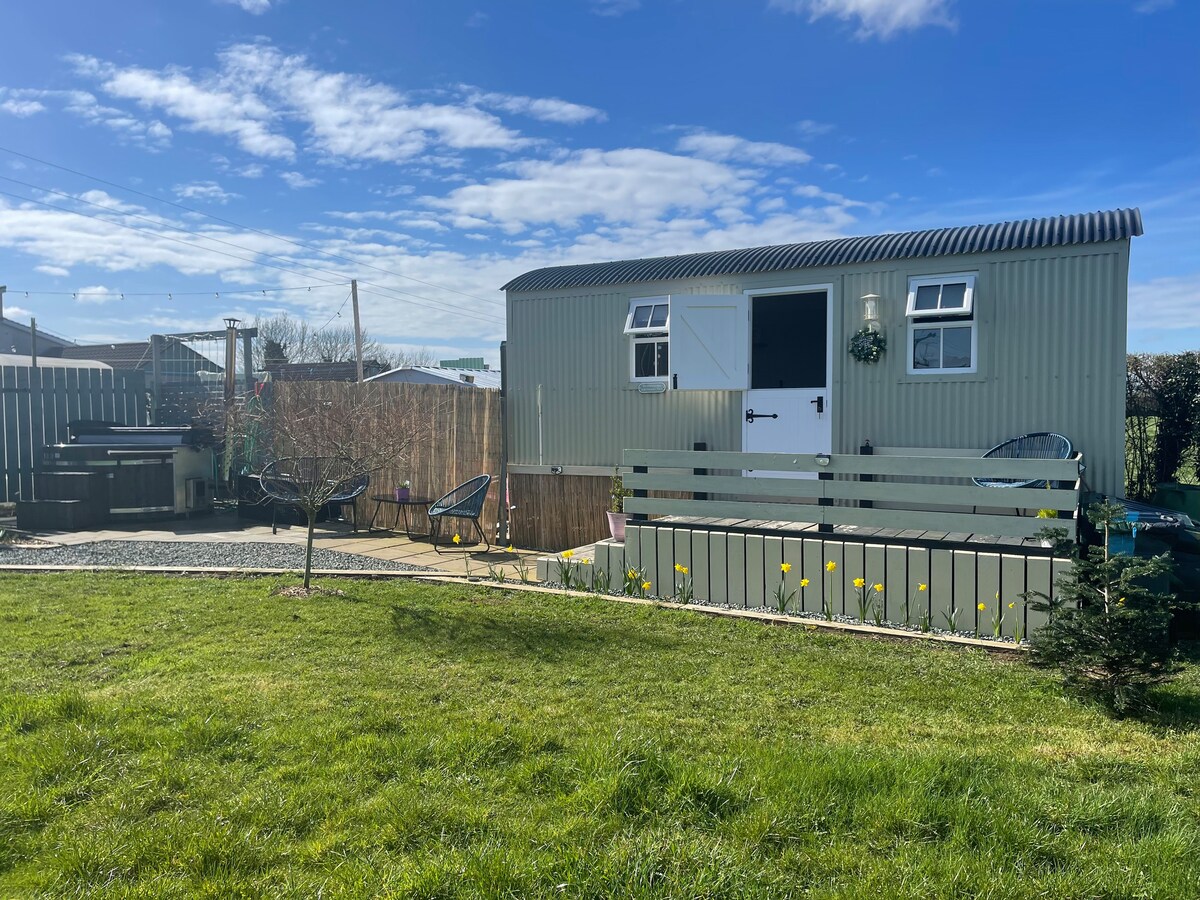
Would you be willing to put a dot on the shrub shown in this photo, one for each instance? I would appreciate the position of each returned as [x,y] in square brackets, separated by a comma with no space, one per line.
[1109,629]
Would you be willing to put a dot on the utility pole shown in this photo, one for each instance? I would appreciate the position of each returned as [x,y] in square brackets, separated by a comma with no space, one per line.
[357,328]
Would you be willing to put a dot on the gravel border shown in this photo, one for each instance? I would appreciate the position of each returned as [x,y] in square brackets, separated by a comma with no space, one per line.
[198,555]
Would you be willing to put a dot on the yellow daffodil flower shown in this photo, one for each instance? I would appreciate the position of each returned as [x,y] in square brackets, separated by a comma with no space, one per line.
[859,582]
[510,549]
[1011,605]
[831,566]
[785,568]
[922,587]
[878,586]
[803,582]
[982,607]
[457,539]
[567,554]
[645,585]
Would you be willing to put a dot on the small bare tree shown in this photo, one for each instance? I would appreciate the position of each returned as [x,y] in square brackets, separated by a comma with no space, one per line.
[328,438]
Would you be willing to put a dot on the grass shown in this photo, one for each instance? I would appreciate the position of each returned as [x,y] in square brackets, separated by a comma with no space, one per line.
[209,738]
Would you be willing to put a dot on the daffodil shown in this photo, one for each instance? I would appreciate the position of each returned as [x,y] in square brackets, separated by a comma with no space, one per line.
[1011,605]
[922,587]
[586,561]
[878,586]
[457,539]
[982,607]
[859,582]
[785,568]
[679,568]
[645,585]
[803,582]
[830,566]
[631,573]
[510,549]
[567,554]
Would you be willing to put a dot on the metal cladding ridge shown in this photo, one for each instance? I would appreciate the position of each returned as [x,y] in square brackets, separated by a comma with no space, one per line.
[1056,231]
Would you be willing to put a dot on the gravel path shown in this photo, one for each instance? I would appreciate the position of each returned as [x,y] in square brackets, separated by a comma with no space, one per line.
[198,554]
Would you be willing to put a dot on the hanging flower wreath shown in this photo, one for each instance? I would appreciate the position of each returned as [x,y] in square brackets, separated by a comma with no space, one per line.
[867,346]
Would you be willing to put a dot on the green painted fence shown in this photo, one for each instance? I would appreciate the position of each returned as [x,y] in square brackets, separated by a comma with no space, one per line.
[37,403]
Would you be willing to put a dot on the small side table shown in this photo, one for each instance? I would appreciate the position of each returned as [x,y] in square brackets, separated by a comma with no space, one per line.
[402,507]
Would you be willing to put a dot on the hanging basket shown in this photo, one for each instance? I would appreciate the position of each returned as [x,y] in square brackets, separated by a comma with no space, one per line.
[867,346]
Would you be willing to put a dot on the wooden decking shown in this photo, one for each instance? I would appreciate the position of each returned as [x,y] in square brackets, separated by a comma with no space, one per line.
[914,537]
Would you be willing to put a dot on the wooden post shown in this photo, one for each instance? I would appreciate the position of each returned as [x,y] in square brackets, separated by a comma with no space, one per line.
[503,536]
[248,361]
[32,342]
[640,470]
[155,377]
[699,446]
[357,329]
[866,450]
[230,360]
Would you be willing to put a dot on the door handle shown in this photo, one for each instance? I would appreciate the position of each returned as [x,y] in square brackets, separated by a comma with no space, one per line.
[751,415]
[820,402]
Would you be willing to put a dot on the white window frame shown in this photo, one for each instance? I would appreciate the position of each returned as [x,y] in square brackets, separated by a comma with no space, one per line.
[665,328]
[968,307]
[649,334]
[956,317]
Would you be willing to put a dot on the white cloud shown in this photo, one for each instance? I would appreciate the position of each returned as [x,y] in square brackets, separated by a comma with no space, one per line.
[254,7]
[811,128]
[254,170]
[546,109]
[297,180]
[96,293]
[876,18]
[1152,6]
[477,19]
[53,271]
[728,147]
[614,7]
[352,117]
[22,109]
[211,108]
[208,191]
[1164,304]
[633,185]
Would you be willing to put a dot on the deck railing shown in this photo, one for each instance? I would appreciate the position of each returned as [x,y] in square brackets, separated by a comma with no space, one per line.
[929,493]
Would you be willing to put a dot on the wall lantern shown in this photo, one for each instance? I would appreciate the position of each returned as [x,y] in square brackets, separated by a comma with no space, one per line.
[870,308]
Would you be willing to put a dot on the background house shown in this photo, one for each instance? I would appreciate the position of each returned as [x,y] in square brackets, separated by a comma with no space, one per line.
[18,338]
[481,377]
[992,331]
[323,371]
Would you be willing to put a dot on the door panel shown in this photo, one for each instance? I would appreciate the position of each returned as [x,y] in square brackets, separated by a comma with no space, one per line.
[709,342]
[789,376]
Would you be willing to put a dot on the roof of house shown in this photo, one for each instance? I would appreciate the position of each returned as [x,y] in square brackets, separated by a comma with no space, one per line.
[322,371]
[50,362]
[1084,228]
[135,355]
[464,376]
[45,335]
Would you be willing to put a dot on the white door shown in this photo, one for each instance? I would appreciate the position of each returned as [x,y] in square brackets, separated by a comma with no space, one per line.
[787,405]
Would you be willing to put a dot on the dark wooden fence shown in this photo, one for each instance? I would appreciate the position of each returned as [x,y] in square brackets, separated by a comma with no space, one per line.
[37,403]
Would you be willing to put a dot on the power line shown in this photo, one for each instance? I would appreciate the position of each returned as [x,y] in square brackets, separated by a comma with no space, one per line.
[215,218]
[436,304]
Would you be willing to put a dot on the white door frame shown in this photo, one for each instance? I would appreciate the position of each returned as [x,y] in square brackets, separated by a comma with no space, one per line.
[827,287]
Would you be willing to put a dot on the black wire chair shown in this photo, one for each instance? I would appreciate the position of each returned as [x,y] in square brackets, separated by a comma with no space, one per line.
[1038,445]
[464,502]
[290,482]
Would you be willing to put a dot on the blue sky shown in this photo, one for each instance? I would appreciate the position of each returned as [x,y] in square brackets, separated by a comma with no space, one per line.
[434,150]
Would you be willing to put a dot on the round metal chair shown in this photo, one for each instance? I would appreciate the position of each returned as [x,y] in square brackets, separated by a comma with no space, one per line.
[464,502]
[1038,445]
[291,481]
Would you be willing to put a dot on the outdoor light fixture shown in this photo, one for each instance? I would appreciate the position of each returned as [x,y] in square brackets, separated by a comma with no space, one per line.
[822,459]
[870,304]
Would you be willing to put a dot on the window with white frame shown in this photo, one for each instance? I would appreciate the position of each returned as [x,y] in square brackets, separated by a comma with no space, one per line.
[648,326]
[942,334]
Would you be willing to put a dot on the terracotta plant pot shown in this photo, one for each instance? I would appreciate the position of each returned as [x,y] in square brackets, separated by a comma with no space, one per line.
[616,525]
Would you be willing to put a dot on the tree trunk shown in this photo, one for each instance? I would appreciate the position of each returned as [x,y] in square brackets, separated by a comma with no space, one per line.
[312,519]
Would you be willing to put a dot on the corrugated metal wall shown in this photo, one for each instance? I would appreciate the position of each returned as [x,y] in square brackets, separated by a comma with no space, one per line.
[1051,358]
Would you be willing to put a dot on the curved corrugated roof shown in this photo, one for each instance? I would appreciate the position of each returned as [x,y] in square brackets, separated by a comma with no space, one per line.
[1056,231]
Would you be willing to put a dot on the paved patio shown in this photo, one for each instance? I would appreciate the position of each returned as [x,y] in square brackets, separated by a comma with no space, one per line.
[384,545]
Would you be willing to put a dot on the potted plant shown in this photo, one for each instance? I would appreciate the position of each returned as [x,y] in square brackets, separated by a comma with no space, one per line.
[617,517]
[402,492]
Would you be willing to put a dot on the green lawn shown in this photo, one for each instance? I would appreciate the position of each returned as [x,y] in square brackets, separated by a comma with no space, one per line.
[208,738]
